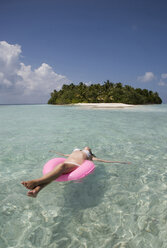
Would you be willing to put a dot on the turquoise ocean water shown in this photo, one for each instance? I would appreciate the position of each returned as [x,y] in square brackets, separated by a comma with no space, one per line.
[118,206]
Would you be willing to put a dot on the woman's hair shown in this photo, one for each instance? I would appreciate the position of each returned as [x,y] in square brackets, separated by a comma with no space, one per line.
[92,153]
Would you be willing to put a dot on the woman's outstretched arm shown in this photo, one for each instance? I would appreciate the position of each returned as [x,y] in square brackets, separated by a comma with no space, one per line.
[62,154]
[106,161]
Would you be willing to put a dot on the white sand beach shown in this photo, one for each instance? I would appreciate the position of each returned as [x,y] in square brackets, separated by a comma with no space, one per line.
[104,105]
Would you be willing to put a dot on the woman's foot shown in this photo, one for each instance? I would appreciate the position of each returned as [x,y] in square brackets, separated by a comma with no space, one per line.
[30,184]
[33,193]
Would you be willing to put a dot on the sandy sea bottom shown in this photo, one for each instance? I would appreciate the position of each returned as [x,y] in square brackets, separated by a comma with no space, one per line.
[117,206]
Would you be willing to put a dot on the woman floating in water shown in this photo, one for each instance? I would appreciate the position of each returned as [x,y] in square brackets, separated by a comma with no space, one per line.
[75,159]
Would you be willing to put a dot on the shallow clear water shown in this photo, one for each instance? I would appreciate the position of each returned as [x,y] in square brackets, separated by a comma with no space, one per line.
[117,206]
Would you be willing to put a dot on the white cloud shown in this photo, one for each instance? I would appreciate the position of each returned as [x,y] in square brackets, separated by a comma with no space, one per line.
[88,83]
[147,77]
[164,75]
[22,84]
[161,83]
[41,80]
[9,53]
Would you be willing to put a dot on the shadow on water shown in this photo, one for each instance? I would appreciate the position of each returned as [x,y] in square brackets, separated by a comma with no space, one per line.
[79,199]
[86,194]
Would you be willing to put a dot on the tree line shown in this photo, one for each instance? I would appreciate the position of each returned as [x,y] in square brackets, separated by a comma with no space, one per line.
[107,92]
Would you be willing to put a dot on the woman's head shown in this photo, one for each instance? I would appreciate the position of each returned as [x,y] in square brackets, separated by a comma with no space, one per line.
[88,149]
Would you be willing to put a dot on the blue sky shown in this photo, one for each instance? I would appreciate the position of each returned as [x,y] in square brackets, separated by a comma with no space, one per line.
[46,43]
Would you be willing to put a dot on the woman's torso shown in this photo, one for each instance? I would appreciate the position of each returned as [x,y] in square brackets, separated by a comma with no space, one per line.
[77,156]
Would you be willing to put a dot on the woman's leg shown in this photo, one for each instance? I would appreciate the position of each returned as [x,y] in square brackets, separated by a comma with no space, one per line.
[49,177]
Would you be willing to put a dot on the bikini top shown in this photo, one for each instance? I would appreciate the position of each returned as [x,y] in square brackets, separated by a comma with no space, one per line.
[88,154]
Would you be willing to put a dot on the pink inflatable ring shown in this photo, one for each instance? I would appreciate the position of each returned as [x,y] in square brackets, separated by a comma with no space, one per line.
[82,171]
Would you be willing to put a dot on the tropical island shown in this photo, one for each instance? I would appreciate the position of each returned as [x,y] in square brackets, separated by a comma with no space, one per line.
[107,92]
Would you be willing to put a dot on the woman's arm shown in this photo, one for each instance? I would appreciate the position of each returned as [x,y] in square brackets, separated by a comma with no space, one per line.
[62,154]
[106,161]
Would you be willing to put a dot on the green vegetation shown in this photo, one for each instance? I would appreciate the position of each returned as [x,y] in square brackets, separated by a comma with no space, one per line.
[106,93]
